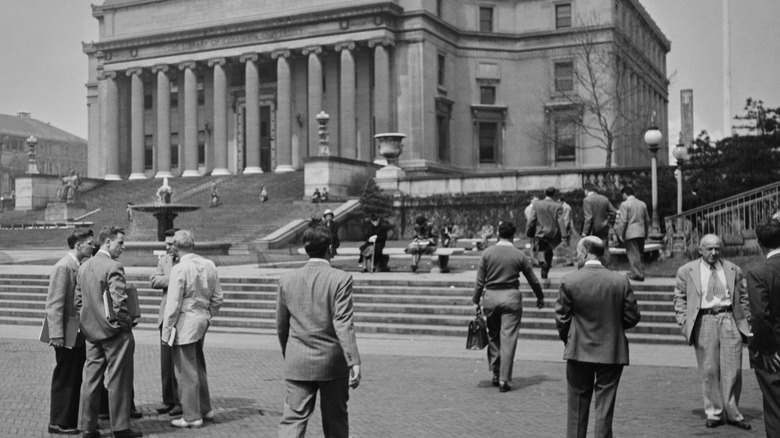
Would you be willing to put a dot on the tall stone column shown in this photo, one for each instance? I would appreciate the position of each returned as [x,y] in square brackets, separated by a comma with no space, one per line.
[220,118]
[284,152]
[111,125]
[252,125]
[190,120]
[347,96]
[315,96]
[136,124]
[163,122]
[382,84]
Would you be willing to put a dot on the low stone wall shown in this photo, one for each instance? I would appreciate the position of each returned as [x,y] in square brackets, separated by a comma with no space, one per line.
[336,173]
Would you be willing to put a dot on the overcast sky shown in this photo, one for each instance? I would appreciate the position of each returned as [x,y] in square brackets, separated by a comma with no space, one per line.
[44,68]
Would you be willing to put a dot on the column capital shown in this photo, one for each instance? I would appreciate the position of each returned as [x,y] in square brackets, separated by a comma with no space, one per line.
[252,57]
[160,68]
[134,71]
[313,49]
[281,53]
[349,45]
[107,75]
[216,61]
[187,65]
[381,41]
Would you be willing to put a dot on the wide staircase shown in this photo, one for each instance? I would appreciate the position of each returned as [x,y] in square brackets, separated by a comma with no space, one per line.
[393,307]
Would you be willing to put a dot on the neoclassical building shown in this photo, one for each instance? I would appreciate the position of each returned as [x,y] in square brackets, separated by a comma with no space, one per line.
[195,87]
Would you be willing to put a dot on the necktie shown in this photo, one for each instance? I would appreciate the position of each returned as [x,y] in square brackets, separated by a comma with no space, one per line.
[715,288]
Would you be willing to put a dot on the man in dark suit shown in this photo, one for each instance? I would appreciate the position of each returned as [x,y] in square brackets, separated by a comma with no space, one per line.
[763,283]
[314,324]
[62,325]
[598,214]
[376,234]
[594,309]
[110,341]
[547,218]
[631,227]
[159,280]
[711,307]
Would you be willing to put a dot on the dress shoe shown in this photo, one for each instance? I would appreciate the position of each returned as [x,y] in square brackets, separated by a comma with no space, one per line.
[414,268]
[740,424]
[181,422]
[90,434]
[503,387]
[495,379]
[134,413]
[128,433]
[636,278]
[175,412]
[209,416]
[165,409]
[59,430]
[711,424]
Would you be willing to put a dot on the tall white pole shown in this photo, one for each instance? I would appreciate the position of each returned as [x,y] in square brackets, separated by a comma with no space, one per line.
[726,72]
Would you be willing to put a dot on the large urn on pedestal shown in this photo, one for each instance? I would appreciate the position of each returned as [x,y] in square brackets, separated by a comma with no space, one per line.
[389,146]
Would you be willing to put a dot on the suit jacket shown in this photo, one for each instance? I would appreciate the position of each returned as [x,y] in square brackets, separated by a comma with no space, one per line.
[60,301]
[159,280]
[687,297]
[194,297]
[98,274]
[314,322]
[598,213]
[595,307]
[547,217]
[763,284]
[633,219]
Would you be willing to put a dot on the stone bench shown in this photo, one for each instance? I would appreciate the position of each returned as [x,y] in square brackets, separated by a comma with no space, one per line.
[439,258]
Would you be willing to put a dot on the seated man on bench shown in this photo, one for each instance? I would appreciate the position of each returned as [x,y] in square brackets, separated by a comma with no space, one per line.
[371,250]
[424,241]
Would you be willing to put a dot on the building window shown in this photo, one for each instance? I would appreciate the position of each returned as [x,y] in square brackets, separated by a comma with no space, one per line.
[174,150]
[563,16]
[443,115]
[487,95]
[485,19]
[488,142]
[441,69]
[147,96]
[201,92]
[564,137]
[201,148]
[148,152]
[174,95]
[564,76]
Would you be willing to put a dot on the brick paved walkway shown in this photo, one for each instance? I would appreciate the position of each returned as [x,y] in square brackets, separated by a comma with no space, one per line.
[411,388]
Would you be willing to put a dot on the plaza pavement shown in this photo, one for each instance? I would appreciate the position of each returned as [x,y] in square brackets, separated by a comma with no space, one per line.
[411,387]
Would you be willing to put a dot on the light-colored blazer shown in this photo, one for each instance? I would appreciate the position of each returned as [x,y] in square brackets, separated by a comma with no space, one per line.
[633,219]
[98,274]
[159,280]
[194,297]
[597,211]
[687,297]
[60,301]
[594,309]
[314,322]
[547,216]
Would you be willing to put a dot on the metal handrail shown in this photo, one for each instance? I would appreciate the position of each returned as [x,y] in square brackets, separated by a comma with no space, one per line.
[774,185]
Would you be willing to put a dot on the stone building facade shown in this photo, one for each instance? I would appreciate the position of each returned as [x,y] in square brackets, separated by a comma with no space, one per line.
[194,87]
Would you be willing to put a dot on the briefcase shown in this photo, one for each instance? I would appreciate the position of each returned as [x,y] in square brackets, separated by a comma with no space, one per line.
[477,337]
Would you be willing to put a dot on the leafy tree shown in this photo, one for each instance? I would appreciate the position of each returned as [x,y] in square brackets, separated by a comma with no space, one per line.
[374,202]
[759,119]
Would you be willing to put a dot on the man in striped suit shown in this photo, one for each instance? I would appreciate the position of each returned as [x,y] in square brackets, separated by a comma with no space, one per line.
[314,324]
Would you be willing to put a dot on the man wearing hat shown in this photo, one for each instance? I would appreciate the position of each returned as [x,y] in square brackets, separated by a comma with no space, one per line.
[376,234]
[327,219]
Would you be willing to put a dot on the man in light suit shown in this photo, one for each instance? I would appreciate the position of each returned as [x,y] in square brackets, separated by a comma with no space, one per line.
[159,280]
[547,219]
[194,297]
[711,307]
[594,309]
[763,283]
[631,228]
[69,348]
[314,324]
[110,341]
[598,214]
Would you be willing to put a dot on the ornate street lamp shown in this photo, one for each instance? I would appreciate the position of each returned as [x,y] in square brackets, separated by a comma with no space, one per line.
[653,138]
[324,143]
[32,166]
[680,154]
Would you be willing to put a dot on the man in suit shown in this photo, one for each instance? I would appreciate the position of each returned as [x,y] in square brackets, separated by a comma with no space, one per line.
[598,214]
[317,336]
[159,280]
[69,348]
[711,307]
[547,217]
[595,307]
[631,227]
[110,341]
[376,235]
[333,226]
[194,297]
[764,295]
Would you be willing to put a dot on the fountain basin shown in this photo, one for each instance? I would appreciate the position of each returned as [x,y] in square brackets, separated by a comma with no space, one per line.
[165,214]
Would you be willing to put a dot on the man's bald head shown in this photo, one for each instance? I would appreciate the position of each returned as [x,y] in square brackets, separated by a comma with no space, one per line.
[709,248]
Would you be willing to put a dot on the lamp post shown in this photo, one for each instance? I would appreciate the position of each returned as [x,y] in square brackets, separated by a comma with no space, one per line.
[680,154]
[679,238]
[653,139]
[32,165]
[322,120]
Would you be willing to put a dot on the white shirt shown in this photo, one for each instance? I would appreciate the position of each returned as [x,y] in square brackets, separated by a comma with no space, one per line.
[74,258]
[773,252]
[705,283]
[592,262]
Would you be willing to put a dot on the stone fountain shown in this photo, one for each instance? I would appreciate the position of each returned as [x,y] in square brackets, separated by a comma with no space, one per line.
[163,210]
